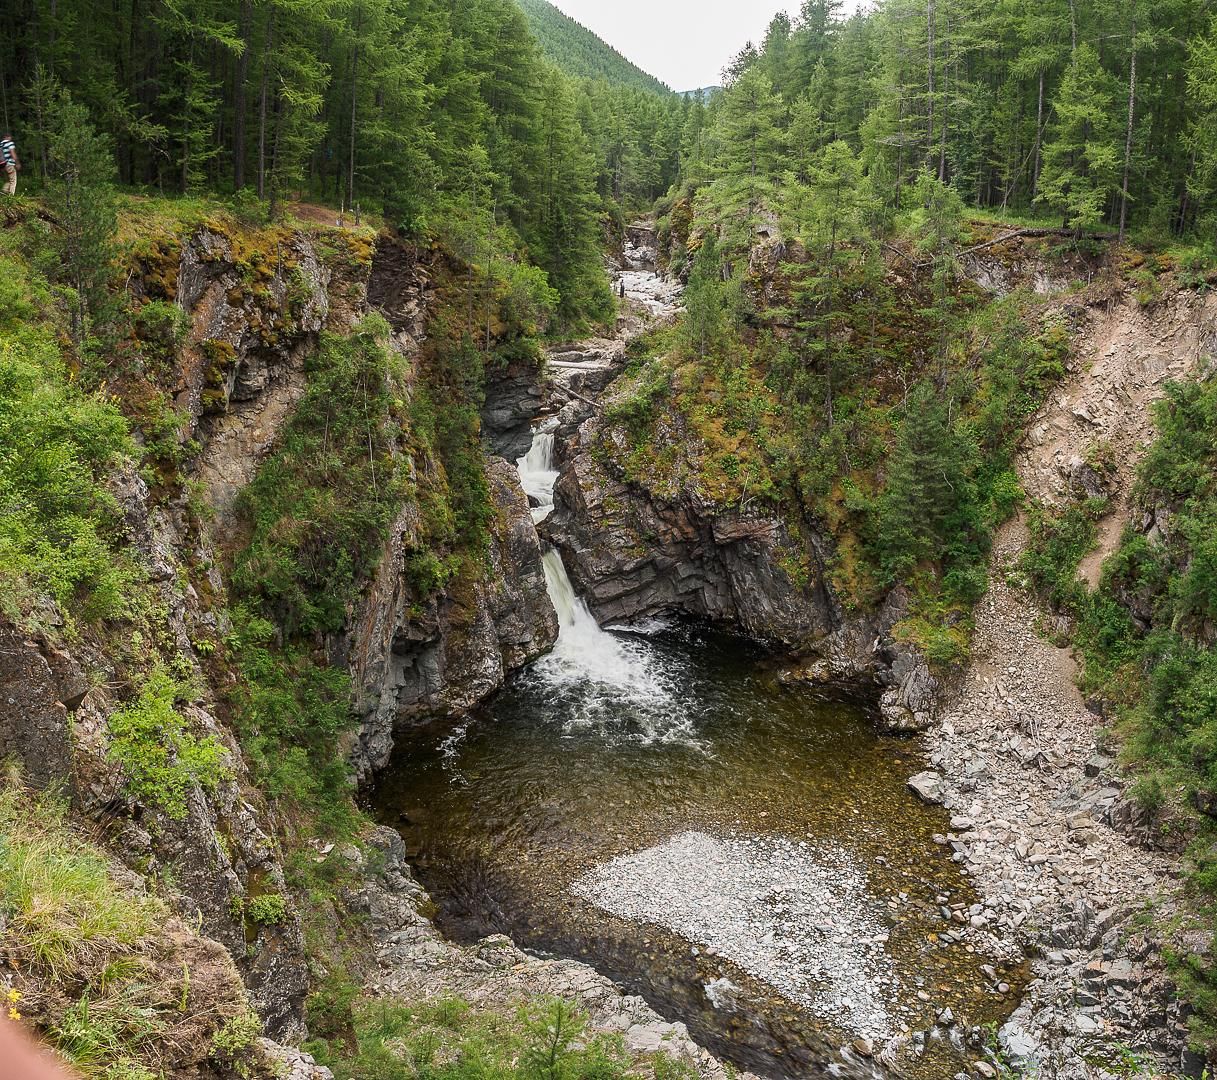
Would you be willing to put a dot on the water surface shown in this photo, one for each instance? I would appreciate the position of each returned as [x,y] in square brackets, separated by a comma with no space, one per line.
[617,744]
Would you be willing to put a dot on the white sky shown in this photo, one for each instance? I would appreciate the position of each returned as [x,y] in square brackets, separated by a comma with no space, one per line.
[686,43]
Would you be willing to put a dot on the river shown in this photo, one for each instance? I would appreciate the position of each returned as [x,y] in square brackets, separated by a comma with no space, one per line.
[744,855]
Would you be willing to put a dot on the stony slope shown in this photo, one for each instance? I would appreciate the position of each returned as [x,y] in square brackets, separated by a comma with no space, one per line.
[1040,812]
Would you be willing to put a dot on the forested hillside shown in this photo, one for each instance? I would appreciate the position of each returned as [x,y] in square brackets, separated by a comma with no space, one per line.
[840,144]
[579,52]
[1091,114]
[438,117]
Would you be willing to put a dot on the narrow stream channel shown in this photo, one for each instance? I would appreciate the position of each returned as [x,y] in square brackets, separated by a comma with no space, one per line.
[744,855]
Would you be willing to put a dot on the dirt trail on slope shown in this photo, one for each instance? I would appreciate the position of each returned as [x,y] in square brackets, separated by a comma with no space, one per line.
[1093,432]
[1018,753]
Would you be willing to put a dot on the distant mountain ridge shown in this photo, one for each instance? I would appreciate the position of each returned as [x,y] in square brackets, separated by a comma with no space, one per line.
[579,52]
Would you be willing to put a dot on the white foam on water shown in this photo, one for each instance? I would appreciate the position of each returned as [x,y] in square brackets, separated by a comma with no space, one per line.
[613,685]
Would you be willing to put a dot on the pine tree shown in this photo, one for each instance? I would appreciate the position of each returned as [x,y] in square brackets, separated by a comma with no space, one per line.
[923,487]
[704,299]
[751,143]
[81,170]
[1082,158]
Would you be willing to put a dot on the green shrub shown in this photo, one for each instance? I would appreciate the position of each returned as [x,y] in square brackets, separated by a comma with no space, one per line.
[162,759]
[162,328]
[290,712]
[16,302]
[1059,543]
[321,505]
[236,1037]
[267,909]
[449,1040]
[60,529]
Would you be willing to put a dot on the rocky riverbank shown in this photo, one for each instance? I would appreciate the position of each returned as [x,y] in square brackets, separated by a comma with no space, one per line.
[415,964]
[1041,818]
[1018,761]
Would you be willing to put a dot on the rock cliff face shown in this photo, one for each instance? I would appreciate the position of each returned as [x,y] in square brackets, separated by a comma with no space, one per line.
[634,556]
[254,307]
[242,370]
[513,400]
[411,658]
[221,851]
[412,661]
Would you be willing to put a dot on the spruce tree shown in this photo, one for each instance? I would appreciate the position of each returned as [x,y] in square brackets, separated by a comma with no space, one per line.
[1082,157]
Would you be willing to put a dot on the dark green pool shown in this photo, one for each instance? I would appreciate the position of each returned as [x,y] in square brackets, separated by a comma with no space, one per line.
[690,732]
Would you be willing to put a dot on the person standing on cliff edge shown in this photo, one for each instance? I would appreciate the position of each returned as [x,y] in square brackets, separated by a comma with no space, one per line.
[11,162]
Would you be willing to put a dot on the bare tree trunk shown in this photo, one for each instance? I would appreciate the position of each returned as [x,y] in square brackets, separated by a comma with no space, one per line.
[238,105]
[1132,118]
[273,187]
[900,154]
[945,122]
[268,52]
[1185,208]
[1073,24]
[354,103]
[1039,141]
[929,135]
[186,124]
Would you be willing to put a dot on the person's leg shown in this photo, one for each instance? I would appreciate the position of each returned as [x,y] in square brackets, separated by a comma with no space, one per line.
[10,183]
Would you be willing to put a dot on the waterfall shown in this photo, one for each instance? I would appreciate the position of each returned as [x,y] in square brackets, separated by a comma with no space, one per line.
[539,471]
[610,683]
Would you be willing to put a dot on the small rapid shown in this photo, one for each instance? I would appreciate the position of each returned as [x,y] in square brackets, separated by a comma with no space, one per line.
[612,683]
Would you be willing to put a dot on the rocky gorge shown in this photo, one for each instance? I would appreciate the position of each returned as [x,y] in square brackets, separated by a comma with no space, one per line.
[1039,816]
[1027,806]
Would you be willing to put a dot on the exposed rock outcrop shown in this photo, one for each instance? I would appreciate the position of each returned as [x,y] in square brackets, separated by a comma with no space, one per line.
[242,370]
[513,400]
[633,557]
[415,659]
[415,963]
[1089,437]
[34,720]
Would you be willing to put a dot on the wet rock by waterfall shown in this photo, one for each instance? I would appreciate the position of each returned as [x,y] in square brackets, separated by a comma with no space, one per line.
[602,676]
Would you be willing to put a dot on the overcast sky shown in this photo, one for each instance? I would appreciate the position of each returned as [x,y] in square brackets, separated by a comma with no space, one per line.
[686,43]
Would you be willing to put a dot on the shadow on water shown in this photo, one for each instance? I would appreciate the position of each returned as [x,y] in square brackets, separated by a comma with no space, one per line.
[685,732]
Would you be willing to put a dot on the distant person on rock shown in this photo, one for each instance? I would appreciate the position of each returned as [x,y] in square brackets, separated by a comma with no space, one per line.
[12,163]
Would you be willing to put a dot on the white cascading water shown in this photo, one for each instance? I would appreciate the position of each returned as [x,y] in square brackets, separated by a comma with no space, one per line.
[607,678]
[539,472]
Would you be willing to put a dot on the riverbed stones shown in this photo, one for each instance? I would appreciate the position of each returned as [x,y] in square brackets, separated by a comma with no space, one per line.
[927,786]
[797,917]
